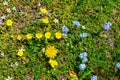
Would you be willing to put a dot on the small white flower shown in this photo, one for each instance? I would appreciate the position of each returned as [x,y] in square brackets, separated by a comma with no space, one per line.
[9,78]
[23,62]
[39,4]
[49,14]
[16,64]
[14,8]
[41,14]
[2,53]
[5,3]
[11,65]
[56,21]
[22,48]
[1,22]
[3,17]
[8,10]
[83,27]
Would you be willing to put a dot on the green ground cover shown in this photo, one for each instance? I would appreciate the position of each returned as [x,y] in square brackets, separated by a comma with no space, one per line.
[24,56]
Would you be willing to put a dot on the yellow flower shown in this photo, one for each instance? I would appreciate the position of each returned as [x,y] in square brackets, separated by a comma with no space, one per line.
[73,74]
[19,37]
[50,51]
[29,36]
[9,22]
[20,53]
[47,35]
[45,20]
[58,35]
[53,63]
[38,35]
[43,10]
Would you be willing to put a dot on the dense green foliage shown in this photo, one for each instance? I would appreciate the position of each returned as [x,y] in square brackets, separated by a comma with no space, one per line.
[103,47]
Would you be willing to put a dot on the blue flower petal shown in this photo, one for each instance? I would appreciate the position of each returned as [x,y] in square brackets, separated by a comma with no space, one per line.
[109,23]
[94,77]
[82,66]
[76,23]
[118,65]
[65,29]
[84,60]
[107,26]
[83,55]
[83,35]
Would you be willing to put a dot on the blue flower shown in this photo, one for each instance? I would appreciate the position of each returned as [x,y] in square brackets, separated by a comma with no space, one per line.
[82,66]
[83,35]
[109,23]
[107,26]
[118,65]
[84,60]
[83,55]
[76,23]
[65,29]
[94,77]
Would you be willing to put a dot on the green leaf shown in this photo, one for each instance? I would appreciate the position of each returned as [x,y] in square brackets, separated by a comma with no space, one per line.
[86,74]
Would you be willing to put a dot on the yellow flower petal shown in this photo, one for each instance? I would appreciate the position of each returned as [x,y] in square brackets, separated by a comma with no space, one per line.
[47,35]
[53,63]
[9,22]
[38,35]
[58,35]
[43,10]
[20,53]
[19,37]
[29,36]
[51,51]
[45,20]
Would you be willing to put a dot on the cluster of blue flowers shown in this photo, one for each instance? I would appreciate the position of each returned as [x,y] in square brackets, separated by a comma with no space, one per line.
[83,56]
[65,30]
[77,24]
[82,66]
[107,26]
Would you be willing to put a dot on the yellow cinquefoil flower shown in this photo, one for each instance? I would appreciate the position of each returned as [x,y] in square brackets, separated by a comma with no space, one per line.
[9,22]
[73,74]
[43,10]
[58,35]
[47,35]
[50,51]
[20,52]
[29,36]
[53,63]
[19,37]
[38,35]
[45,20]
